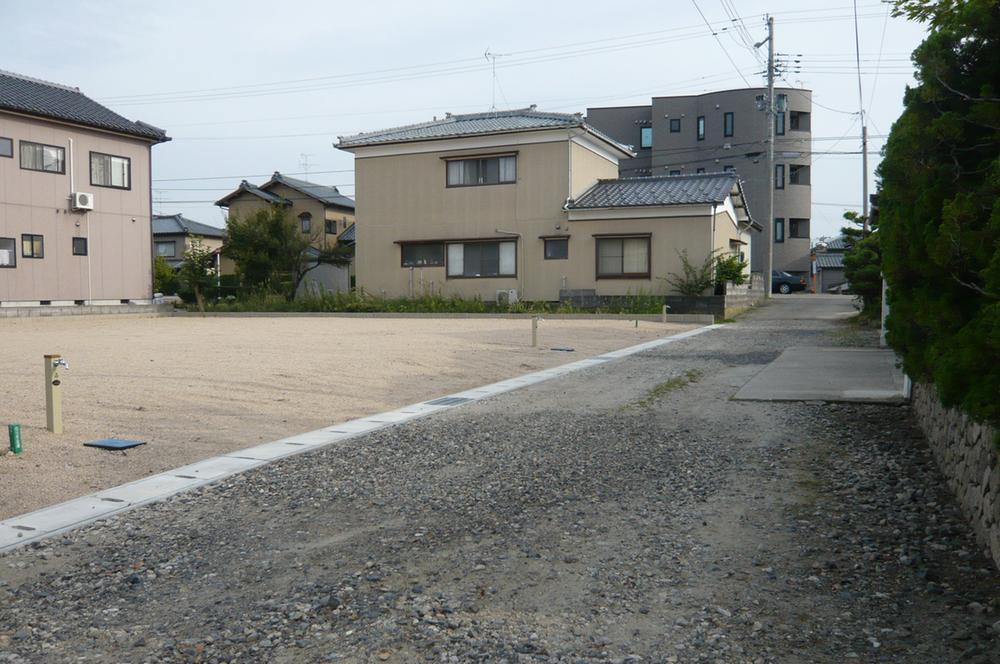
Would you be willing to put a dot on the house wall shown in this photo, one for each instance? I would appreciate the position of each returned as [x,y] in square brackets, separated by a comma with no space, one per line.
[183,243]
[119,261]
[829,277]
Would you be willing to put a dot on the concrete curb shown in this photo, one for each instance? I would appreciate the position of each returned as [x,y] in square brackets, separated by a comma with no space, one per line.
[62,517]
[696,319]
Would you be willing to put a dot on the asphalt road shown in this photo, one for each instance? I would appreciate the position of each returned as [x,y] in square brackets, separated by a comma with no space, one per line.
[629,512]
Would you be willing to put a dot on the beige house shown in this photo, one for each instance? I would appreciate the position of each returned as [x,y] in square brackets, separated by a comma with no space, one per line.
[74,198]
[525,204]
[173,235]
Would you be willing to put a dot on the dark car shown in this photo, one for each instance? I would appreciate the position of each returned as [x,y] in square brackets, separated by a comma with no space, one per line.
[782,282]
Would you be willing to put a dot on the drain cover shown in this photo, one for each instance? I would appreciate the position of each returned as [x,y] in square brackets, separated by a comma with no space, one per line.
[448,401]
[114,444]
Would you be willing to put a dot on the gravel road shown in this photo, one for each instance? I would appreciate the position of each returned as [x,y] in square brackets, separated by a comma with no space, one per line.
[625,513]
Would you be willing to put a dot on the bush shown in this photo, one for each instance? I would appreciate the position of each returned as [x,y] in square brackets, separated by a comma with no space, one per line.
[165,279]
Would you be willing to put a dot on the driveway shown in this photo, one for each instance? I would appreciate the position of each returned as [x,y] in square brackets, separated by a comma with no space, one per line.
[629,512]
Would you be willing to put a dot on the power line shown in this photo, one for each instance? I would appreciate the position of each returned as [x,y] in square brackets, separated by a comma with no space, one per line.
[719,42]
[878,66]
[243,177]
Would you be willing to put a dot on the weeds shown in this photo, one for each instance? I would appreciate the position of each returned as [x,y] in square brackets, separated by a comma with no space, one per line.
[666,387]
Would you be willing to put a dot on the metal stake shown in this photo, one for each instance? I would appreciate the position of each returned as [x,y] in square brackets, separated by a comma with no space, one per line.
[53,393]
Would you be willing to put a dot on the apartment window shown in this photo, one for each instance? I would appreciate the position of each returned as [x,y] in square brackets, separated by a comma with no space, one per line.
[728,121]
[779,124]
[779,176]
[701,127]
[423,254]
[8,252]
[675,172]
[798,174]
[488,170]
[482,259]
[6,147]
[798,228]
[330,227]
[38,157]
[79,246]
[623,257]
[32,246]
[729,169]
[306,222]
[556,248]
[646,137]
[699,170]
[675,125]
[166,249]
[107,170]
[779,230]
[799,121]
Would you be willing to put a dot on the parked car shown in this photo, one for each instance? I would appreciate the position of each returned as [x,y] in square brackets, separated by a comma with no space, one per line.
[782,282]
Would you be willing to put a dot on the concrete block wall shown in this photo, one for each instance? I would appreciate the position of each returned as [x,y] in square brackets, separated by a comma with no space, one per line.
[965,453]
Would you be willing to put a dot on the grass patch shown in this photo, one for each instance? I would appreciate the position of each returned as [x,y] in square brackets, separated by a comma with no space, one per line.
[666,387]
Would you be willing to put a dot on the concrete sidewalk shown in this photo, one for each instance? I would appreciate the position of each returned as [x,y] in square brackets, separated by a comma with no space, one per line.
[862,375]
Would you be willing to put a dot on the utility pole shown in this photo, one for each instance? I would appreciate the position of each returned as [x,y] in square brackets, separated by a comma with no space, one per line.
[771,116]
[864,174]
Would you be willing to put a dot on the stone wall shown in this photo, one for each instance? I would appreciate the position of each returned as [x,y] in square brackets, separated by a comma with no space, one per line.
[965,453]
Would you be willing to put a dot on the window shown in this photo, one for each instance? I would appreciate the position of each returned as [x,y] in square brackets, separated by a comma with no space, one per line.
[675,125]
[798,228]
[426,254]
[779,230]
[38,157]
[482,259]
[167,249]
[779,176]
[729,169]
[798,174]
[798,121]
[779,124]
[107,170]
[623,257]
[32,246]
[701,127]
[79,246]
[556,248]
[330,227]
[6,147]
[306,222]
[488,170]
[699,170]
[8,252]
[675,172]
[727,124]
[646,137]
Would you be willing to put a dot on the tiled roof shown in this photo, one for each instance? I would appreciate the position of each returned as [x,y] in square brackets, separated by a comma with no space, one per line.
[177,224]
[837,244]
[656,191]
[830,261]
[31,96]
[475,124]
[322,193]
[348,236]
[252,189]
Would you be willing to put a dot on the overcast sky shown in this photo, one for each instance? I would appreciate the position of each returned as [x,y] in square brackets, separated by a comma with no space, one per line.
[246,88]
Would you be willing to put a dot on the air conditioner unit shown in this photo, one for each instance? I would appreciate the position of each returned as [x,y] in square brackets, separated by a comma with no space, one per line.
[82,201]
[507,297]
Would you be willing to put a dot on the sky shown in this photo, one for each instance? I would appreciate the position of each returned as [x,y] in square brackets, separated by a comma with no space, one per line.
[245,88]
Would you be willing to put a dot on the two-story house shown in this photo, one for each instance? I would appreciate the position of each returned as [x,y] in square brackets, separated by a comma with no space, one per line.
[527,204]
[173,235]
[74,198]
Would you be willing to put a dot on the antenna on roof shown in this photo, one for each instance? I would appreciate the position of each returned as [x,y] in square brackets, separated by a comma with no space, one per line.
[304,162]
[492,57]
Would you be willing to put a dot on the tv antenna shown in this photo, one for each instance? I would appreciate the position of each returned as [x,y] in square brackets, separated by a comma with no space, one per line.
[492,57]
[304,162]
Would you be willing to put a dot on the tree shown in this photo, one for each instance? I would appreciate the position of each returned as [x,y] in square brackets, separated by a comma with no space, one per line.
[198,270]
[273,254]
[940,207]
[164,277]
[863,263]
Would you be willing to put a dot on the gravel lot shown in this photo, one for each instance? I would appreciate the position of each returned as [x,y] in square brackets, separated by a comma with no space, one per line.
[193,387]
[624,513]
